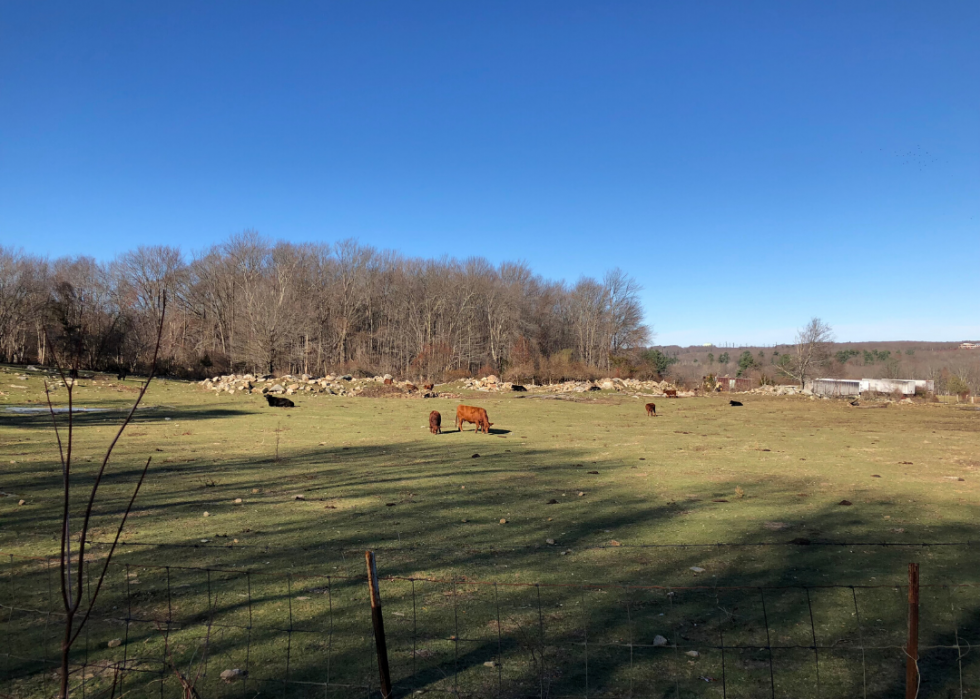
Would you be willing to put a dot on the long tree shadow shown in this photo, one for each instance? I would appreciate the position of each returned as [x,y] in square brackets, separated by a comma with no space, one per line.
[40,418]
[493,608]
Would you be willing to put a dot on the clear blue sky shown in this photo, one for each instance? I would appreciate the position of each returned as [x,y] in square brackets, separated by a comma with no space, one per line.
[751,164]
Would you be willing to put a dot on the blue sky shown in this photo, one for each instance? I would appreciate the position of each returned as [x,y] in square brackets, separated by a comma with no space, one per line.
[751,164]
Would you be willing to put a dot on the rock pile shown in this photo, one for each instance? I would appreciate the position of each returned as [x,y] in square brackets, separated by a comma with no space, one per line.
[656,388]
[334,385]
[347,385]
[781,391]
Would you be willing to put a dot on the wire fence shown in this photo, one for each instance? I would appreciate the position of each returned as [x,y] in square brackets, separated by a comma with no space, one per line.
[159,630]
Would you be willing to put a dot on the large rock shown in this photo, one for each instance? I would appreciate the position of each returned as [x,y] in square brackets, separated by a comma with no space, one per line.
[277,388]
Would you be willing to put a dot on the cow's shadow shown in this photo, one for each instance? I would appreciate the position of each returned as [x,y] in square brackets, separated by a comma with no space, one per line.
[492,431]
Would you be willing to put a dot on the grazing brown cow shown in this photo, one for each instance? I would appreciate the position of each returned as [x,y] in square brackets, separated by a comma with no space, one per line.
[435,422]
[670,392]
[388,382]
[279,402]
[411,387]
[651,410]
[478,416]
[429,386]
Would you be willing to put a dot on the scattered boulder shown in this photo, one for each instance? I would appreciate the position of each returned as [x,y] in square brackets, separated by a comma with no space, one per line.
[232,675]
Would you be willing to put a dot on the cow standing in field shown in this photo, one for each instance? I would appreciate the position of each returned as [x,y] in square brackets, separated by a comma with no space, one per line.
[651,410]
[275,402]
[478,416]
[429,386]
[670,392]
[435,422]
[121,376]
[517,387]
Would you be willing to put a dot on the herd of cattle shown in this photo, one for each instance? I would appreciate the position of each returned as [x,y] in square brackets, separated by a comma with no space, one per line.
[464,413]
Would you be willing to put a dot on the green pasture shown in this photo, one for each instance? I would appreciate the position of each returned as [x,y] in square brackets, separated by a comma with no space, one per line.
[625,499]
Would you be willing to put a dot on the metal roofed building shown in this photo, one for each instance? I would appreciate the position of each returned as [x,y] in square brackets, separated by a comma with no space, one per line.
[855,387]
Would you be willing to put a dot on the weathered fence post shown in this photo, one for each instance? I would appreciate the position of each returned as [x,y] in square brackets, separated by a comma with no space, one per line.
[912,647]
[379,625]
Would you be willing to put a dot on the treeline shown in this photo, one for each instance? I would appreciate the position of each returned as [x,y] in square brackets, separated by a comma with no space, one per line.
[954,371]
[252,305]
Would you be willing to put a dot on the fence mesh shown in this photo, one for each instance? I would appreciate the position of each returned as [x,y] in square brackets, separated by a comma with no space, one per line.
[158,630]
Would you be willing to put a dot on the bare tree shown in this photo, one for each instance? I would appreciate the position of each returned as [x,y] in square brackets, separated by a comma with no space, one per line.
[22,295]
[625,313]
[810,352]
[254,304]
[352,265]
[72,582]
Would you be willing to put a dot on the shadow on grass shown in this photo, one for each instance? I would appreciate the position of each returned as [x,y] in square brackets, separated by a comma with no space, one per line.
[113,416]
[763,616]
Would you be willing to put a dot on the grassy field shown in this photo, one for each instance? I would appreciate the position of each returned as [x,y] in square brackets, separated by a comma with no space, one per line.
[623,500]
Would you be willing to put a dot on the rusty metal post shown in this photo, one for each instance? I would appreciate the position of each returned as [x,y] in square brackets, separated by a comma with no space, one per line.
[379,625]
[912,647]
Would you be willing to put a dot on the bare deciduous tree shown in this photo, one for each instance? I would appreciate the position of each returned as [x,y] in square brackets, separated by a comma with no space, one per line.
[811,351]
[72,580]
[252,305]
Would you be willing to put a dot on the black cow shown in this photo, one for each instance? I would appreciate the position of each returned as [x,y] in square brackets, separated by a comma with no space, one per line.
[735,404]
[122,374]
[517,387]
[275,402]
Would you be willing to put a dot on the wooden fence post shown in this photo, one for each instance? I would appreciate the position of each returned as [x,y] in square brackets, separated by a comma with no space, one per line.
[912,647]
[379,625]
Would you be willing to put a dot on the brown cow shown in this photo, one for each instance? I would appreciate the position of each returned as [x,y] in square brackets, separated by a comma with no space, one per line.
[429,386]
[670,392]
[651,410]
[435,422]
[388,382]
[478,416]
[411,387]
